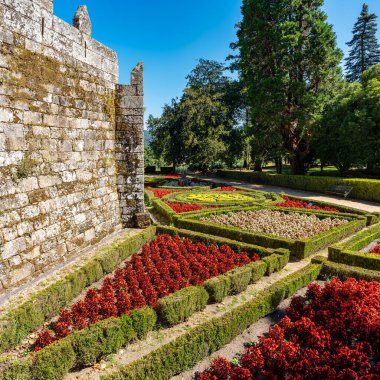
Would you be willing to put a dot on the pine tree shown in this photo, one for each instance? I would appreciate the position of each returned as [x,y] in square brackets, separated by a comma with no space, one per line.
[365,49]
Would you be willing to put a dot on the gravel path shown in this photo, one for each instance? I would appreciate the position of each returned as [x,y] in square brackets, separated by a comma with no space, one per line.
[358,204]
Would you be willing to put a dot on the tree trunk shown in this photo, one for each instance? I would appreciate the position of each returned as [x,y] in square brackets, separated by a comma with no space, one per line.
[278,162]
[258,166]
[297,164]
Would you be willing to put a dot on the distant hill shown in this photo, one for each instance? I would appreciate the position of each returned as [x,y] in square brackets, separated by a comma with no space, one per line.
[147,137]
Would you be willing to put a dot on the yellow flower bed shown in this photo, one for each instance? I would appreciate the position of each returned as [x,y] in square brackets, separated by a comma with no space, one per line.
[219,197]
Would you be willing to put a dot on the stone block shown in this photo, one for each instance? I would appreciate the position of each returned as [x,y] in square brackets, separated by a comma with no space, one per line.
[142,220]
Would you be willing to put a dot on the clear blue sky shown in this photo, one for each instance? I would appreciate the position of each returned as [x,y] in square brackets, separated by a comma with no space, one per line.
[170,35]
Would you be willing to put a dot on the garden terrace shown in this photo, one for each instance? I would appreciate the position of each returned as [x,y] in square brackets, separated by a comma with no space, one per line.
[107,310]
[300,248]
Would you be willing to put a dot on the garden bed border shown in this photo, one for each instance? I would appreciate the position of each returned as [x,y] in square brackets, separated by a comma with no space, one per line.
[299,248]
[349,253]
[20,320]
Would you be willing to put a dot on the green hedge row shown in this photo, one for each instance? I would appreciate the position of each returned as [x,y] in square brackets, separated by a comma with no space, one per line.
[357,259]
[179,306]
[343,271]
[81,348]
[363,238]
[237,246]
[367,189]
[185,351]
[349,252]
[25,318]
[299,248]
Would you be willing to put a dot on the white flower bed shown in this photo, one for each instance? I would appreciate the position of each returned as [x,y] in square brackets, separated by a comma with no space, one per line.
[286,225]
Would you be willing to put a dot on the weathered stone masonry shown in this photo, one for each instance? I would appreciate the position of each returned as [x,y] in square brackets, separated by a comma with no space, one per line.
[71,140]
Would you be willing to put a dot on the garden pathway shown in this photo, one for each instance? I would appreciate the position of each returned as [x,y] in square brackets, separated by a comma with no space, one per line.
[355,203]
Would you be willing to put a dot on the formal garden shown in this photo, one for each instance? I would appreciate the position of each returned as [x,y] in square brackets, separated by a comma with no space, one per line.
[262,258]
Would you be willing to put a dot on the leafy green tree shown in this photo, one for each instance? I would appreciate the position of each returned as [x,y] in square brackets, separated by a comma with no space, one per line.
[289,63]
[203,117]
[167,135]
[348,134]
[364,46]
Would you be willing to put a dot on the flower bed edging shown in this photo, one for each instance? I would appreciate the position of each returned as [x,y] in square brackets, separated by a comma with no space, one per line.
[343,271]
[300,248]
[201,341]
[23,319]
[84,347]
[349,252]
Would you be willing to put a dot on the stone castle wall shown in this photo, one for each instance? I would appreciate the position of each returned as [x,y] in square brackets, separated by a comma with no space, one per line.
[71,140]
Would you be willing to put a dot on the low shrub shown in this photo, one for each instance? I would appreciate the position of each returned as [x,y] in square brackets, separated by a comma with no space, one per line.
[178,307]
[218,288]
[343,271]
[240,279]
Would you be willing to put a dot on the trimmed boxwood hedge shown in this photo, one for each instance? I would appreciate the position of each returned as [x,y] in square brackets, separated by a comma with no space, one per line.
[81,348]
[349,252]
[20,320]
[179,306]
[299,248]
[185,351]
[367,189]
[237,246]
[343,271]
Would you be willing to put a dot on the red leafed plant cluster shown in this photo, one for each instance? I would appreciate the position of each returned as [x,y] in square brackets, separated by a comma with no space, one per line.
[225,188]
[160,193]
[376,249]
[294,203]
[331,333]
[164,266]
[187,207]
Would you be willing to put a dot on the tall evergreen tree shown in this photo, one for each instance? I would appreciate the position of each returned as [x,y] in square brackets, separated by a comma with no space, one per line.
[289,62]
[365,49]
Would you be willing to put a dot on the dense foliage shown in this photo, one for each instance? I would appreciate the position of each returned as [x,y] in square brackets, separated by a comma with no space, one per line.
[354,116]
[330,333]
[164,266]
[364,47]
[290,63]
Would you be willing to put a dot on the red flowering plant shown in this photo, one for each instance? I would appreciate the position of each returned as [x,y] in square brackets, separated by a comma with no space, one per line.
[160,193]
[187,207]
[225,188]
[330,333]
[295,203]
[376,249]
[165,265]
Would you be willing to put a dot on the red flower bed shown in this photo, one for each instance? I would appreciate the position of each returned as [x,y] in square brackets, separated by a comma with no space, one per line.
[376,250]
[225,188]
[187,207]
[160,193]
[331,333]
[164,266]
[294,203]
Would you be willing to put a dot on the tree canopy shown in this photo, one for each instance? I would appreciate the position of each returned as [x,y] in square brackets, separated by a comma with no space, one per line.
[289,61]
